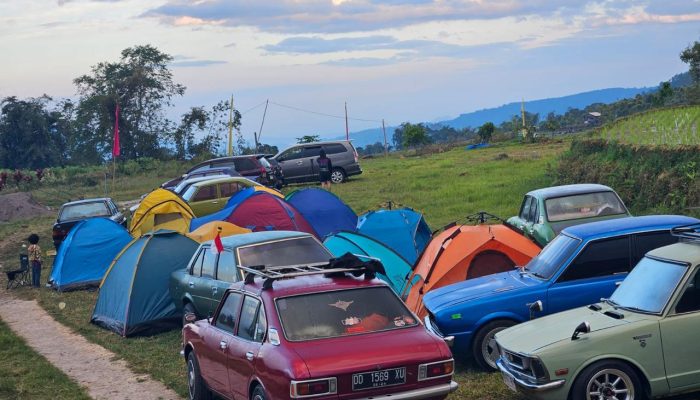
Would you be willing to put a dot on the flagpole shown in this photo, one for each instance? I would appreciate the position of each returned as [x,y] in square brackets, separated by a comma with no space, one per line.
[115,146]
[230,129]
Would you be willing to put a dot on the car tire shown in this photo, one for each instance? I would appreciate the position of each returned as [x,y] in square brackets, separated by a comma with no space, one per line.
[196,388]
[484,351]
[258,393]
[188,308]
[597,378]
[338,175]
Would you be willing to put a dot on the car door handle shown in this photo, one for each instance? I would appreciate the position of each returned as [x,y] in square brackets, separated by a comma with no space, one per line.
[191,284]
[223,345]
[214,289]
[299,162]
[249,356]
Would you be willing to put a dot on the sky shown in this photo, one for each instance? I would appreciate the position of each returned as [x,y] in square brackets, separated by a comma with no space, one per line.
[397,60]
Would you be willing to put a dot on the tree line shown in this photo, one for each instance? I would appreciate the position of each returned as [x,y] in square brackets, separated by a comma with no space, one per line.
[43,131]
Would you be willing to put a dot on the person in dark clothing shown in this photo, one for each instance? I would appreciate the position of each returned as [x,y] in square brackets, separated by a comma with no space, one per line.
[325,167]
[34,253]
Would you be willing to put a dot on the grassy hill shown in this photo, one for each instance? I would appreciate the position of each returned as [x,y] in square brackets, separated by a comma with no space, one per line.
[445,187]
[670,126]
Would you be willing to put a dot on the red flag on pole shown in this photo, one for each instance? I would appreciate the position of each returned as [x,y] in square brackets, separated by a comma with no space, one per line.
[218,245]
[115,145]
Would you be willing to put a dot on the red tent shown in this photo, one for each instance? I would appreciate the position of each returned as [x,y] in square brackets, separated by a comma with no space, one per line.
[261,212]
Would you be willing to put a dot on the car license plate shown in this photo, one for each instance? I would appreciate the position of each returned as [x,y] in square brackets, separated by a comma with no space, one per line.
[375,379]
[510,382]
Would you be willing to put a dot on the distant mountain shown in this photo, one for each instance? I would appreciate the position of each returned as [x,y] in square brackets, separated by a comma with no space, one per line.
[558,105]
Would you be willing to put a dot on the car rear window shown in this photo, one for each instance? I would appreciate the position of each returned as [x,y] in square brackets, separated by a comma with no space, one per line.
[342,313]
[84,210]
[334,148]
[245,164]
[586,205]
[301,250]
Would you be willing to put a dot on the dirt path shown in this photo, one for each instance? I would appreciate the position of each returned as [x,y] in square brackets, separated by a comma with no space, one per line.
[90,365]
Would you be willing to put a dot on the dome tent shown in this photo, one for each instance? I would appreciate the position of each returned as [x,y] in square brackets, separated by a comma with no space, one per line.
[325,211]
[86,253]
[161,209]
[261,211]
[396,268]
[403,229]
[134,296]
[209,231]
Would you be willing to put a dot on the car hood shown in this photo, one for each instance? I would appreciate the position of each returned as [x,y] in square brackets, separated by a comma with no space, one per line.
[532,336]
[328,357]
[491,285]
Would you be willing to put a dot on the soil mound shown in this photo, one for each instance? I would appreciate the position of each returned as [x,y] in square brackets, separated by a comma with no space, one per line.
[20,205]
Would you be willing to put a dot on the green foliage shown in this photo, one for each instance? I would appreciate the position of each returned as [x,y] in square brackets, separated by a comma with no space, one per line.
[414,135]
[691,56]
[650,179]
[309,139]
[486,131]
[669,127]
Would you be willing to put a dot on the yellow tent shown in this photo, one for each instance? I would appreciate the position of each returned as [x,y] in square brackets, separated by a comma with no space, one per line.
[208,231]
[277,193]
[161,209]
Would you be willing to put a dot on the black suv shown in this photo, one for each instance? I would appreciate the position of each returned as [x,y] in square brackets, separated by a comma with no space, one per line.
[254,167]
[298,162]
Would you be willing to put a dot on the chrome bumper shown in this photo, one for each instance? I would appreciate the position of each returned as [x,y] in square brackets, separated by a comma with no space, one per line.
[426,393]
[527,386]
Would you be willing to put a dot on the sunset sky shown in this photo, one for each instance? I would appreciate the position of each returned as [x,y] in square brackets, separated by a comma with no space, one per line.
[401,60]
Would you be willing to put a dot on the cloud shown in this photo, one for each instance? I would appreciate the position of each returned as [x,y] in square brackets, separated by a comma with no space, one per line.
[180,61]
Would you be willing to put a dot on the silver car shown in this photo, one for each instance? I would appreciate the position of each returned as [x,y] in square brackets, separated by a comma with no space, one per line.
[299,164]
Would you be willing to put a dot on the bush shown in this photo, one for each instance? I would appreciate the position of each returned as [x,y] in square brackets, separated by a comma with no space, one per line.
[650,179]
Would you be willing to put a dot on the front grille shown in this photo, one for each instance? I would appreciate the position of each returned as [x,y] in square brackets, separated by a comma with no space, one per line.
[519,364]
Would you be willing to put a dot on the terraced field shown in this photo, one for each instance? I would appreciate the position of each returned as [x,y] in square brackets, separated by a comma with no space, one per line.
[670,127]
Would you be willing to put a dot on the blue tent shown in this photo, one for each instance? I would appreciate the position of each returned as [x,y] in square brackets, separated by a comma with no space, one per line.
[134,296]
[325,211]
[87,252]
[403,230]
[397,268]
[239,197]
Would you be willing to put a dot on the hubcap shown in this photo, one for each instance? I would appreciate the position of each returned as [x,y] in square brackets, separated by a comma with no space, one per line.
[610,384]
[489,350]
[190,378]
[337,176]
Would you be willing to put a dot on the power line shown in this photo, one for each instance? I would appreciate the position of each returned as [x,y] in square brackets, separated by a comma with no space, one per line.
[251,109]
[323,114]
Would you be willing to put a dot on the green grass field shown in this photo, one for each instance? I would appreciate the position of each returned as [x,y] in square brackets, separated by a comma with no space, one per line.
[445,187]
[670,127]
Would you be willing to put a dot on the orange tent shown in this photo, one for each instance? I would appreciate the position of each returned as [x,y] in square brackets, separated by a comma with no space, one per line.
[209,231]
[464,252]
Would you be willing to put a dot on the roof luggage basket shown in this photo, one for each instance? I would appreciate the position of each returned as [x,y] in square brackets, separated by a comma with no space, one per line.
[348,263]
[689,232]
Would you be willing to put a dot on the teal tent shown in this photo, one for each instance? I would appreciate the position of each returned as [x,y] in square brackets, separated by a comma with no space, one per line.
[134,296]
[403,230]
[397,268]
[86,253]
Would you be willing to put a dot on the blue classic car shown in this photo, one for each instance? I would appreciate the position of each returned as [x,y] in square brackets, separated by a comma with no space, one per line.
[580,266]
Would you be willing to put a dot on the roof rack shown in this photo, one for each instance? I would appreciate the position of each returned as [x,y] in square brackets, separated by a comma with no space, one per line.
[689,231]
[334,267]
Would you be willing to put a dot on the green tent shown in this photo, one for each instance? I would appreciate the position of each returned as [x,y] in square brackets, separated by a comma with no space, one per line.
[134,296]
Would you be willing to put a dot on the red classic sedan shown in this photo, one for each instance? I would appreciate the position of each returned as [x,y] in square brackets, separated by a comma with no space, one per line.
[314,333]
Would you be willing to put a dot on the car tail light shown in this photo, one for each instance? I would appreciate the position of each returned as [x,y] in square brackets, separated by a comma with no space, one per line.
[312,388]
[436,370]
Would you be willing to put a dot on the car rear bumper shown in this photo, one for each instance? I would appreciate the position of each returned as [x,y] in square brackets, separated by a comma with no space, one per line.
[425,393]
[353,169]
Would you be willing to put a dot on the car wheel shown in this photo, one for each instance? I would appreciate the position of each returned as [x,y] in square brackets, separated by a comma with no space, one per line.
[338,175]
[188,308]
[196,388]
[484,348]
[258,393]
[608,380]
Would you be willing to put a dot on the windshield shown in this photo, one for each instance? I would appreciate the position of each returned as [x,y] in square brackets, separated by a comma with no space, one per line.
[649,286]
[301,250]
[550,259]
[342,312]
[587,205]
[84,210]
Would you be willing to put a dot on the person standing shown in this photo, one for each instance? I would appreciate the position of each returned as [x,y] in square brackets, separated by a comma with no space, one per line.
[325,167]
[34,253]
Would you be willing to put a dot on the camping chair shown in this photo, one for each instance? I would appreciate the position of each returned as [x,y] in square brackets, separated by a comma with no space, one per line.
[19,277]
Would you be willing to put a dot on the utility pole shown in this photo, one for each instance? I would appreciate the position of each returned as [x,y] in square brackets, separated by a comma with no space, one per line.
[230,129]
[347,128]
[257,138]
[522,112]
[386,146]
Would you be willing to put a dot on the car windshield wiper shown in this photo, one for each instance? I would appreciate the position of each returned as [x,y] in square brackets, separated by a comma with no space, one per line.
[535,274]
[634,309]
[611,302]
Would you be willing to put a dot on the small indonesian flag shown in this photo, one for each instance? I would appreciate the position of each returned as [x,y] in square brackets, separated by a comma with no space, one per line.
[218,246]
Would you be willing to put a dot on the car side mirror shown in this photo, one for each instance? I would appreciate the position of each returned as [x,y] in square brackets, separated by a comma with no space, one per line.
[534,308]
[190,317]
[583,327]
